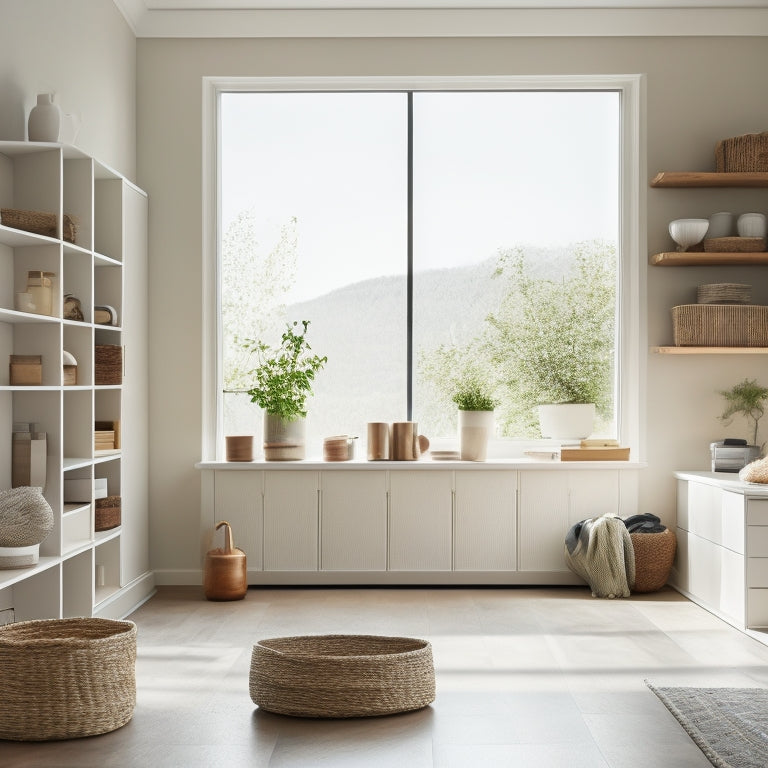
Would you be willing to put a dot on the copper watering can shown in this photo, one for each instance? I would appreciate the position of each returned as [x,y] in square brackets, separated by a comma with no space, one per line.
[224,573]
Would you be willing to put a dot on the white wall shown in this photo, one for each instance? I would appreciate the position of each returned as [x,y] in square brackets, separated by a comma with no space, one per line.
[84,52]
[698,91]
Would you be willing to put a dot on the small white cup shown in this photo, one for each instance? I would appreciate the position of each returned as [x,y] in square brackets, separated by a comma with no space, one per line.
[720,224]
[751,225]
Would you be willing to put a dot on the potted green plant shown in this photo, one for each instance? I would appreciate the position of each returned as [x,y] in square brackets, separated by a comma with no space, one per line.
[747,399]
[283,381]
[553,341]
[476,417]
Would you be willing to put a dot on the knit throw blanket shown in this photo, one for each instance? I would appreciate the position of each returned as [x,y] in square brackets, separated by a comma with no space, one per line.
[600,551]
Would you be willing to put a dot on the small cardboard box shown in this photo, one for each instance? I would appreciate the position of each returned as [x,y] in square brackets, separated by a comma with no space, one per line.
[26,370]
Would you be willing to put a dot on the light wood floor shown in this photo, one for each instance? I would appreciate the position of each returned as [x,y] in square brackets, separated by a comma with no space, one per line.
[525,677]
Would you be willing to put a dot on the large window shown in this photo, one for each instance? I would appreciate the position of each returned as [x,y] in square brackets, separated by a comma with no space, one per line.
[410,227]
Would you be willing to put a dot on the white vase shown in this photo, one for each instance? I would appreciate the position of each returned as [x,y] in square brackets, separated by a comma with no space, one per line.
[567,421]
[475,429]
[44,119]
[284,440]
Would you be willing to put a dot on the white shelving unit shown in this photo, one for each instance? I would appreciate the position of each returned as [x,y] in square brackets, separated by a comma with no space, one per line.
[81,572]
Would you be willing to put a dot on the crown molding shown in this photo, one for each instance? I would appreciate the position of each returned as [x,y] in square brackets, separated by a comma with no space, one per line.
[249,19]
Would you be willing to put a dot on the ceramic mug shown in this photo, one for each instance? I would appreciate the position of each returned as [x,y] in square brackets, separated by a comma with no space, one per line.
[407,443]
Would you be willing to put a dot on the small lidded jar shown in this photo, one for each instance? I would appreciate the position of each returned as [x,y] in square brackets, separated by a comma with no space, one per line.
[39,285]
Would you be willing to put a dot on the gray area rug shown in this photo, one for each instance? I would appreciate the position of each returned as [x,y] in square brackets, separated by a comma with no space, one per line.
[730,725]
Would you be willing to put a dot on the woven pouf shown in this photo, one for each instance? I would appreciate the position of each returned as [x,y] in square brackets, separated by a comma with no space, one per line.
[26,518]
[66,678]
[654,555]
[342,675]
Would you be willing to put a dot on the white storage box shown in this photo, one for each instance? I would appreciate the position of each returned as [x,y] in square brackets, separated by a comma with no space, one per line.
[85,490]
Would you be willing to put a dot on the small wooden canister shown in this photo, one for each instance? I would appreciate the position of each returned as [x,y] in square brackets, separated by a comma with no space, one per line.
[225,573]
[239,447]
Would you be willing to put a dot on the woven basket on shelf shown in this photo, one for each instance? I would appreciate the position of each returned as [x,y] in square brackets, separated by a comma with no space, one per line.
[654,555]
[724,293]
[734,245]
[108,364]
[39,223]
[107,513]
[742,153]
[66,678]
[341,675]
[720,325]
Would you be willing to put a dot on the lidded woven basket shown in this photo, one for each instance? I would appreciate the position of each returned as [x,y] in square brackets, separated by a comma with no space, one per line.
[340,676]
[66,678]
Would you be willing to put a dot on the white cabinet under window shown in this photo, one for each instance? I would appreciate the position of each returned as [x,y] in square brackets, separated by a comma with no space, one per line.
[485,521]
[353,535]
[291,521]
[420,521]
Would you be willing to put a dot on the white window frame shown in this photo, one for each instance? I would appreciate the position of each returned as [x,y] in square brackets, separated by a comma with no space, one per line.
[631,242]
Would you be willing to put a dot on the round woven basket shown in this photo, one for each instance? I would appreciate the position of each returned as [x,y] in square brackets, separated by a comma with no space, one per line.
[342,675]
[66,678]
[654,555]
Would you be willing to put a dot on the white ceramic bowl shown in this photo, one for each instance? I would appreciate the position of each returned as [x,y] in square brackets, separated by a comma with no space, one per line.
[688,232]
[751,225]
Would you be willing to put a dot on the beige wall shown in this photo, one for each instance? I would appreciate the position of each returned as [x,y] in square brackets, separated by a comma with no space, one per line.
[698,90]
[85,53]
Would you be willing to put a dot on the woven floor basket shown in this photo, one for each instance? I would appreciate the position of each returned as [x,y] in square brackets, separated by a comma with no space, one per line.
[654,555]
[342,675]
[720,325]
[66,678]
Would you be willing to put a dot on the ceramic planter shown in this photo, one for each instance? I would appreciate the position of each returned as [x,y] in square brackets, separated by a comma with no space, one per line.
[284,440]
[475,429]
[567,421]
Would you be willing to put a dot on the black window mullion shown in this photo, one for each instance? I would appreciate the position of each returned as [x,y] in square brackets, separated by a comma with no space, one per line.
[409,275]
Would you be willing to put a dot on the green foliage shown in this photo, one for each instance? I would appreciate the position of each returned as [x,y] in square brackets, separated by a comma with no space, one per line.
[746,399]
[553,340]
[284,375]
[472,397]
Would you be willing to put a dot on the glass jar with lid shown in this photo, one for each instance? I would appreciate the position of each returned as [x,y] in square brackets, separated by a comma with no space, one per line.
[40,286]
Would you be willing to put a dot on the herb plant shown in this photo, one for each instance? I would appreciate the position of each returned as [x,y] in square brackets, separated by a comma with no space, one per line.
[472,396]
[284,374]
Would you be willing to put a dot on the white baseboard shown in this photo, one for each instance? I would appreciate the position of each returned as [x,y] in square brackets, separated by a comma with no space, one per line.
[128,598]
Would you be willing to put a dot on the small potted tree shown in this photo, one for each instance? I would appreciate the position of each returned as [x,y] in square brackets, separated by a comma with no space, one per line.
[283,381]
[747,399]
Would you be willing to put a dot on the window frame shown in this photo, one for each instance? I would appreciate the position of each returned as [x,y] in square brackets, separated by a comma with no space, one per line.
[631,241]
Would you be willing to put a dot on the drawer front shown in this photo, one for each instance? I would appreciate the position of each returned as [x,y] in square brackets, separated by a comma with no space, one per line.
[757,541]
[757,512]
[757,572]
[757,608]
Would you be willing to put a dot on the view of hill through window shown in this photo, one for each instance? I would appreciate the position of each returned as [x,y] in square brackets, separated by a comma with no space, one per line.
[512,191]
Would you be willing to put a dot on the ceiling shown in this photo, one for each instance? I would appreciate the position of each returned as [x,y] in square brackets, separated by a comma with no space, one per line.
[417,18]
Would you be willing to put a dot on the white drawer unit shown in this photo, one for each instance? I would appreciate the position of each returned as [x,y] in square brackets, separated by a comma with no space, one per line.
[722,559]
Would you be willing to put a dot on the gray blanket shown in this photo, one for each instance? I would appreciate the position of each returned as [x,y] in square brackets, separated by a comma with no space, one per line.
[600,550]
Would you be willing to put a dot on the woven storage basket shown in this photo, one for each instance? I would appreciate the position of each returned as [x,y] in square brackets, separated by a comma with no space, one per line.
[742,153]
[724,293]
[107,513]
[734,245]
[39,223]
[342,675]
[720,325]
[654,555]
[66,678]
[108,363]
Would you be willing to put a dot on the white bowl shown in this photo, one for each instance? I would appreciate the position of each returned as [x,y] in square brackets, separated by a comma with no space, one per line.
[751,225]
[688,232]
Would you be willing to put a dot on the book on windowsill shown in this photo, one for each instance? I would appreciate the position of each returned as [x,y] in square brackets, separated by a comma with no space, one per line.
[594,453]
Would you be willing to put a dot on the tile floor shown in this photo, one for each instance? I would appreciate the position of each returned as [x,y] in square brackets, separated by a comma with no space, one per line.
[526,677]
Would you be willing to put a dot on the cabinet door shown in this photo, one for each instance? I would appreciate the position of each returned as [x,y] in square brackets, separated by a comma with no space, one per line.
[551,502]
[353,514]
[290,520]
[420,521]
[485,521]
[238,500]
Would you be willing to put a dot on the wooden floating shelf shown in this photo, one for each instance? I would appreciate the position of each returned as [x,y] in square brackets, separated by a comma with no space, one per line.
[709,179]
[704,259]
[710,350]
